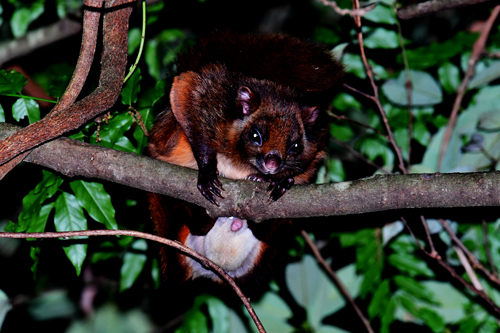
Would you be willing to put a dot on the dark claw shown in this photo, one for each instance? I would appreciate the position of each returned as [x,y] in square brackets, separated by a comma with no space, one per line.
[279,188]
[210,187]
[258,178]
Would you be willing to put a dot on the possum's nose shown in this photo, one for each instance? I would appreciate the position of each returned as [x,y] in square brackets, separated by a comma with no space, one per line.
[272,161]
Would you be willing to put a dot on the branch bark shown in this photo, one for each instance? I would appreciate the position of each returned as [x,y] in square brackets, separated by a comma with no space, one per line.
[433,6]
[249,200]
[113,63]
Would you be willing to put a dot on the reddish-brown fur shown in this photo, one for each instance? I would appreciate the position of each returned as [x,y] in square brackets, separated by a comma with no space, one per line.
[248,107]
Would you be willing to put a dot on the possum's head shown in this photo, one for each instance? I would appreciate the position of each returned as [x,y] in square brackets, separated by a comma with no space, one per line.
[230,244]
[279,135]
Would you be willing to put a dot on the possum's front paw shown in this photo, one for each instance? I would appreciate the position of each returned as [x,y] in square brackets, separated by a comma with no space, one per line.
[210,186]
[278,188]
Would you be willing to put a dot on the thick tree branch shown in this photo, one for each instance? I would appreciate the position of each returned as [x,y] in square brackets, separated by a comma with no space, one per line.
[113,63]
[249,200]
[433,6]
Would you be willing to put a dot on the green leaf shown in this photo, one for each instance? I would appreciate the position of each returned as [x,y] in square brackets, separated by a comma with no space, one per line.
[415,288]
[4,306]
[133,263]
[26,107]
[34,254]
[381,38]
[313,290]
[430,317]
[425,90]
[134,39]
[23,16]
[132,88]
[449,77]
[381,14]
[485,75]
[341,132]
[440,52]
[2,114]
[69,217]
[96,201]
[273,313]
[194,321]
[33,216]
[219,314]
[373,147]
[11,82]
[326,35]
[112,132]
[380,300]
[388,315]
[406,262]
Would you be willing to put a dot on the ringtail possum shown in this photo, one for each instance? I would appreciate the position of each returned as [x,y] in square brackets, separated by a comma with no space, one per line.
[241,107]
[248,107]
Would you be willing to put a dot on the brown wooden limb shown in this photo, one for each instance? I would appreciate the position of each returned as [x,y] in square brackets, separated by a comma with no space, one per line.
[477,51]
[204,261]
[38,38]
[113,63]
[89,38]
[249,200]
[433,6]
[343,290]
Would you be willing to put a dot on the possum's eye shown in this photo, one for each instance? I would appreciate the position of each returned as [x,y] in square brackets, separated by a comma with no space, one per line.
[294,148]
[256,137]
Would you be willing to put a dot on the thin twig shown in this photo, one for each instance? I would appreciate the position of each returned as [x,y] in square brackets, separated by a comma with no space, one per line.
[433,6]
[205,262]
[454,274]
[360,156]
[468,268]
[352,12]
[375,98]
[429,238]
[488,250]
[472,258]
[336,280]
[477,51]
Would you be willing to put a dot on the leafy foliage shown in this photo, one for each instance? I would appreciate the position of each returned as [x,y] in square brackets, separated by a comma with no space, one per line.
[384,270]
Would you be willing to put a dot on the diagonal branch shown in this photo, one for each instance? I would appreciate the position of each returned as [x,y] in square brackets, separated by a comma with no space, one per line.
[90,29]
[113,63]
[204,261]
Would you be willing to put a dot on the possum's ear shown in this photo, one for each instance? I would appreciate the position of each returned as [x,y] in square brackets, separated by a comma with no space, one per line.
[310,114]
[180,96]
[247,101]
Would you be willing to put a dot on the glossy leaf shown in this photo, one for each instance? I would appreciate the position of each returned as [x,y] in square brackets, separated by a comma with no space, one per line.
[273,313]
[381,14]
[23,16]
[33,216]
[69,217]
[132,88]
[2,114]
[407,263]
[425,90]
[96,201]
[11,82]
[26,107]
[415,288]
[133,263]
[449,77]
[381,38]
